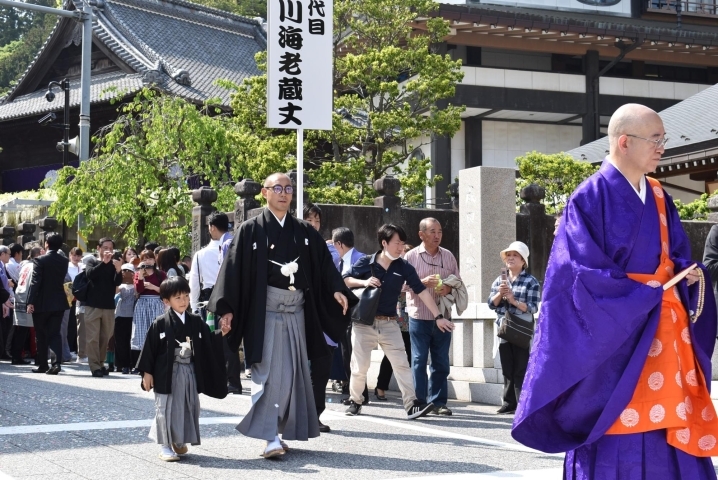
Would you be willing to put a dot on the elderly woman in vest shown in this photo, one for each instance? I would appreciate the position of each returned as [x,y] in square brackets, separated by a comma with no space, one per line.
[519,292]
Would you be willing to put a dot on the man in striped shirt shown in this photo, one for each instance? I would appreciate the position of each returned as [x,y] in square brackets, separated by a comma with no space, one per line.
[431,263]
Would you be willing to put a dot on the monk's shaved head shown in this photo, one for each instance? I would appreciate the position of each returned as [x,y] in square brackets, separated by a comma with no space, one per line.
[631,118]
[276,178]
[636,135]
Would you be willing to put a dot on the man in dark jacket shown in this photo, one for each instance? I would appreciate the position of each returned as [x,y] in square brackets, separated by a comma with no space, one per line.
[104,276]
[47,302]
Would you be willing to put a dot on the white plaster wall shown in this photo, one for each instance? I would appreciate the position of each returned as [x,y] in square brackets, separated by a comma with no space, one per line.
[458,152]
[502,142]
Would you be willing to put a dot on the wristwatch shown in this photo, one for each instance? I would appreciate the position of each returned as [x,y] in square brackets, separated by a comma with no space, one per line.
[439,317]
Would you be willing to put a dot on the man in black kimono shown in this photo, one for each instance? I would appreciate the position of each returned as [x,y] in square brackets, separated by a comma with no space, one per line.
[280,289]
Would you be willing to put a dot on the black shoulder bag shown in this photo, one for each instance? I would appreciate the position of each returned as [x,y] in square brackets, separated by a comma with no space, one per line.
[517,329]
[364,312]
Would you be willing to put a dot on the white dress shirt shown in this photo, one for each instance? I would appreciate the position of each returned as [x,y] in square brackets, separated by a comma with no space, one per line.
[347,259]
[205,264]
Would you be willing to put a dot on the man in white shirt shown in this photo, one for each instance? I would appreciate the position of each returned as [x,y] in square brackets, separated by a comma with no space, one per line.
[203,276]
[13,265]
[206,262]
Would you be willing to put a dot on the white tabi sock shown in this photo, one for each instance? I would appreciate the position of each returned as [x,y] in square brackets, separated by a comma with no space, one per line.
[273,445]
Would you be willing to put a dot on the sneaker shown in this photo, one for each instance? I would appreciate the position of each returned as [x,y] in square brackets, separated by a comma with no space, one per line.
[97,373]
[125,371]
[105,372]
[443,410]
[354,409]
[167,455]
[418,410]
[82,360]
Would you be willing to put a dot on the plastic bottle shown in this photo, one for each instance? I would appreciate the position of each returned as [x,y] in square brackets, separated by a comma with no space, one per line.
[440,283]
[210,321]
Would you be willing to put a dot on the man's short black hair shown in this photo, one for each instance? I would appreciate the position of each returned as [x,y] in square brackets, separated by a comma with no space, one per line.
[387,231]
[173,286]
[16,248]
[311,209]
[219,220]
[344,236]
[54,241]
[186,257]
[106,239]
[151,246]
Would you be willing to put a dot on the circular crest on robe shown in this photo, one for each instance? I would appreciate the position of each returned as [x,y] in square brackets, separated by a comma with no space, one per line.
[707,442]
[684,435]
[629,417]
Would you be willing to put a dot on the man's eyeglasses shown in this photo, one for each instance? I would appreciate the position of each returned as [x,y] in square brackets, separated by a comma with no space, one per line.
[278,189]
[661,142]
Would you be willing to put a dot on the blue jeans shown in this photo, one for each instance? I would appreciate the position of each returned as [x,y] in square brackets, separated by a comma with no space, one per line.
[426,337]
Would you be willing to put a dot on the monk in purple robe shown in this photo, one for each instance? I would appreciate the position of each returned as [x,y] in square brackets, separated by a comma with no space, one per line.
[597,325]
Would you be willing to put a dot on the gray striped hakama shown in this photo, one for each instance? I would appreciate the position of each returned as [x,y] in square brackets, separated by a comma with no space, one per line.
[177,413]
[282,398]
[147,308]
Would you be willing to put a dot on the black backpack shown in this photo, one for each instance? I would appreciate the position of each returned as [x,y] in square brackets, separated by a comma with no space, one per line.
[80,286]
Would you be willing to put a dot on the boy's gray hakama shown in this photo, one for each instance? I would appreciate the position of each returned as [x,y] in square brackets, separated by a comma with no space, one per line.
[177,413]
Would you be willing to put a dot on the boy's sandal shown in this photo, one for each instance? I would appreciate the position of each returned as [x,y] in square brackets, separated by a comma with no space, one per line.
[277,452]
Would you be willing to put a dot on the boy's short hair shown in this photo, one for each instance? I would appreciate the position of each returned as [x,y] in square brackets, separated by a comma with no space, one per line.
[173,286]
[76,251]
[105,239]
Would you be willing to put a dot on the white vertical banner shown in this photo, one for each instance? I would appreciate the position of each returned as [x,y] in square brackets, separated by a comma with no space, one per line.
[299,66]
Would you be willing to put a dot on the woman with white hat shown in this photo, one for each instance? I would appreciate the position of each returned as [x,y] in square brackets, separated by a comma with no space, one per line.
[519,292]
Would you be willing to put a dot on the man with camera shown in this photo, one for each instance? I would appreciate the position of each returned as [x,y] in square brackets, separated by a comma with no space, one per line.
[104,276]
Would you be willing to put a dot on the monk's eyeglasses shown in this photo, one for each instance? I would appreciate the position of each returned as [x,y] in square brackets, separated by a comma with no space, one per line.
[278,189]
[658,143]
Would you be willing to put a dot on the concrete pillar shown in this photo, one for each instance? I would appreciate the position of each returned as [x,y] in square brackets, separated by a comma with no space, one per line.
[246,190]
[388,187]
[591,128]
[204,197]
[7,235]
[48,225]
[25,231]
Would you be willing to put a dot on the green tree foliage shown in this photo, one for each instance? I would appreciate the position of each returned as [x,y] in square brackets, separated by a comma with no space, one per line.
[558,173]
[22,33]
[137,177]
[389,83]
[695,210]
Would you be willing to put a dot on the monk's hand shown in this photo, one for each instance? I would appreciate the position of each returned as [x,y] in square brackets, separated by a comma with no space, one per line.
[693,276]
[148,381]
[342,300]
[225,325]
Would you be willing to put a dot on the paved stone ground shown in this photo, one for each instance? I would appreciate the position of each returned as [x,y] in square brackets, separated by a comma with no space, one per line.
[73,426]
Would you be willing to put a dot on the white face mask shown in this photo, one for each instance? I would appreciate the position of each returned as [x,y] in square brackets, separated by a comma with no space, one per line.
[388,255]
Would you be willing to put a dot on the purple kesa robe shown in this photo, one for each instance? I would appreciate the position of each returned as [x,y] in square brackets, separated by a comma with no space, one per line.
[595,330]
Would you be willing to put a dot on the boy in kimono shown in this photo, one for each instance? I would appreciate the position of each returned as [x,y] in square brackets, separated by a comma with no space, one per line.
[179,361]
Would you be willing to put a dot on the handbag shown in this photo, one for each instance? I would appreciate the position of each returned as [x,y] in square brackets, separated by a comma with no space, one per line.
[517,328]
[364,311]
